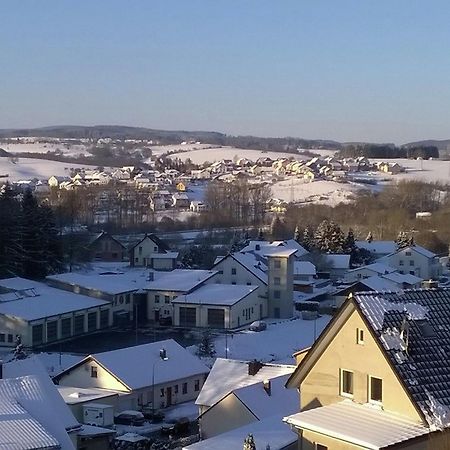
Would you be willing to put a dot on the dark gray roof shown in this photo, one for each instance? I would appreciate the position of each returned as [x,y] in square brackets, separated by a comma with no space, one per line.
[413,326]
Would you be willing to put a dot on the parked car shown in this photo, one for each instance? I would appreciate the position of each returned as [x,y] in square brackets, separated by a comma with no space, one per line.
[258,325]
[154,416]
[165,321]
[130,417]
[179,427]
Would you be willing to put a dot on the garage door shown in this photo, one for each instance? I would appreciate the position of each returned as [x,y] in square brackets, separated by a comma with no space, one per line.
[188,317]
[216,318]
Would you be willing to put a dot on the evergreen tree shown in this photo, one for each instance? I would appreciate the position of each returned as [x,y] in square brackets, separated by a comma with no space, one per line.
[350,247]
[308,238]
[329,237]
[297,235]
[206,345]
[260,235]
[249,443]
[277,228]
[403,240]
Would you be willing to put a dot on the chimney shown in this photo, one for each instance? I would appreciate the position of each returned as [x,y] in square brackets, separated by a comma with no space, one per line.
[253,367]
[267,387]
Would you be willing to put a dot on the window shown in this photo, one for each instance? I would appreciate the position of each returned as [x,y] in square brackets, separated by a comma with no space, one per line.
[220,272]
[375,389]
[52,331]
[136,259]
[411,262]
[277,264]
[276,294]
[156,298]
[233,271]
[346,383]
[359,336]
[276,281]
[184,388]
[140,250]
[92,321]
[78,324]
[10,337]
[412,272]
[37,333]
[127,298]
[121,299]
[166,299]
[197,385]
[233,282]
[2,337]
[155,249]
[175,389]
[408,253]
[66,327]
[400,263]
[161,392]
[94,372]
[248,283]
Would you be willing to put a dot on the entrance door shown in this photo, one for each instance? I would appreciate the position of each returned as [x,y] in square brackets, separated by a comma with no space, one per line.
[156,315]
[169,396]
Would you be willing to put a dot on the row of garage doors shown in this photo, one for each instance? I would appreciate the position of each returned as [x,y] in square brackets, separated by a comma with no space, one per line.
[188,317]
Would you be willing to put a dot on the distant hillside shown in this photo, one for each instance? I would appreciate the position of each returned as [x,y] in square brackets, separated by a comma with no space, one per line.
[165,137]
[442,145]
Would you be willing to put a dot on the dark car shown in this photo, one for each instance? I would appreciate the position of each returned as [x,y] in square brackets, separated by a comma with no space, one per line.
[165,321]
[179,427]
[133,418]
[154,416]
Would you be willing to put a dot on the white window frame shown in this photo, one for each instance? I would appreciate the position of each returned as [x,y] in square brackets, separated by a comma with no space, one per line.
[341,383]
[369,389]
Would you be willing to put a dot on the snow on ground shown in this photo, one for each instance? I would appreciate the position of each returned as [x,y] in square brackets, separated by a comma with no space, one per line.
[219,153]
[321,191]
[44,147]
[277,343]
[29,168]
[426,170]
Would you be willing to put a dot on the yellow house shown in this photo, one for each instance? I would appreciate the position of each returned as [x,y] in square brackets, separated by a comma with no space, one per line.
[181,187]
[378,376]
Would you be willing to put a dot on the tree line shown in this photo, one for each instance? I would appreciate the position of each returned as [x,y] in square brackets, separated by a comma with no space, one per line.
[388,151]
[29,244]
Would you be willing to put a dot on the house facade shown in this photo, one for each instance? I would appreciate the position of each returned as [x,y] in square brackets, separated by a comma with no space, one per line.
[373,370]
[152,252]
[105,247]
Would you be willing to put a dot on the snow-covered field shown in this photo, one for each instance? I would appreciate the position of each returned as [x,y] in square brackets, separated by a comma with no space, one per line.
[277,343]
[216,154]
[44,147]
[29,168]
[426,170]
[321,191]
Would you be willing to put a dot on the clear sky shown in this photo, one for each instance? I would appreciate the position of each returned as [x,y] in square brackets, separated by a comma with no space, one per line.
[376,70]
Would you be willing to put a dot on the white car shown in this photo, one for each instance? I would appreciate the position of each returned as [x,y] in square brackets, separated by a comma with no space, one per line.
[258,325]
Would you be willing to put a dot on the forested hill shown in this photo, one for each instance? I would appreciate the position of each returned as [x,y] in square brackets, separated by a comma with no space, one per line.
[169,137]
[443,145]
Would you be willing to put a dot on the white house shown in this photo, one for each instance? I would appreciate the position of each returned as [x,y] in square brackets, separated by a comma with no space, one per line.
[219,306]
[160,373]
[151,252]
[415,260]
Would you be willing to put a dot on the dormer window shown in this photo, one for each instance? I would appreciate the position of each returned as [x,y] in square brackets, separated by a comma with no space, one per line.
[360,336]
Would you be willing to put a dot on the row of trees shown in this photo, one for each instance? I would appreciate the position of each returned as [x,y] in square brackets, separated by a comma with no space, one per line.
[29,244]
[386,151]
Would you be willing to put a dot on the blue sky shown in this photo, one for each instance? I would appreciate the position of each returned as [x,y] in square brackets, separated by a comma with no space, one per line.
[373,70]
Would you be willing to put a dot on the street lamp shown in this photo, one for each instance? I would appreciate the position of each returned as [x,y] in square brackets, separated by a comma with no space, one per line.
[162,357]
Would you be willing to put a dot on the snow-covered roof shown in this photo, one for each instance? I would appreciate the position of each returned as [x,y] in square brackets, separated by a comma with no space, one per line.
[75,395]
[270,432]
[400,278]
[265,247]
[304,268]
[377,283]
[228,375]
[361,425]
[418,249]
[217,294]
[252,264]
[377,267]
[378,247]
[180,280]
[123,363]
[278,252]
[166,255]
[109,282]
[281,401]
[36,300]
[32,413]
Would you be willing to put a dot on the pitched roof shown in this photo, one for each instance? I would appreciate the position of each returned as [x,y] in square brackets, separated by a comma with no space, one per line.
[422,358]
[228,374]
[180,280]
[378,247]
[217,294]
[122,363]
[360,425]
[161,245]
